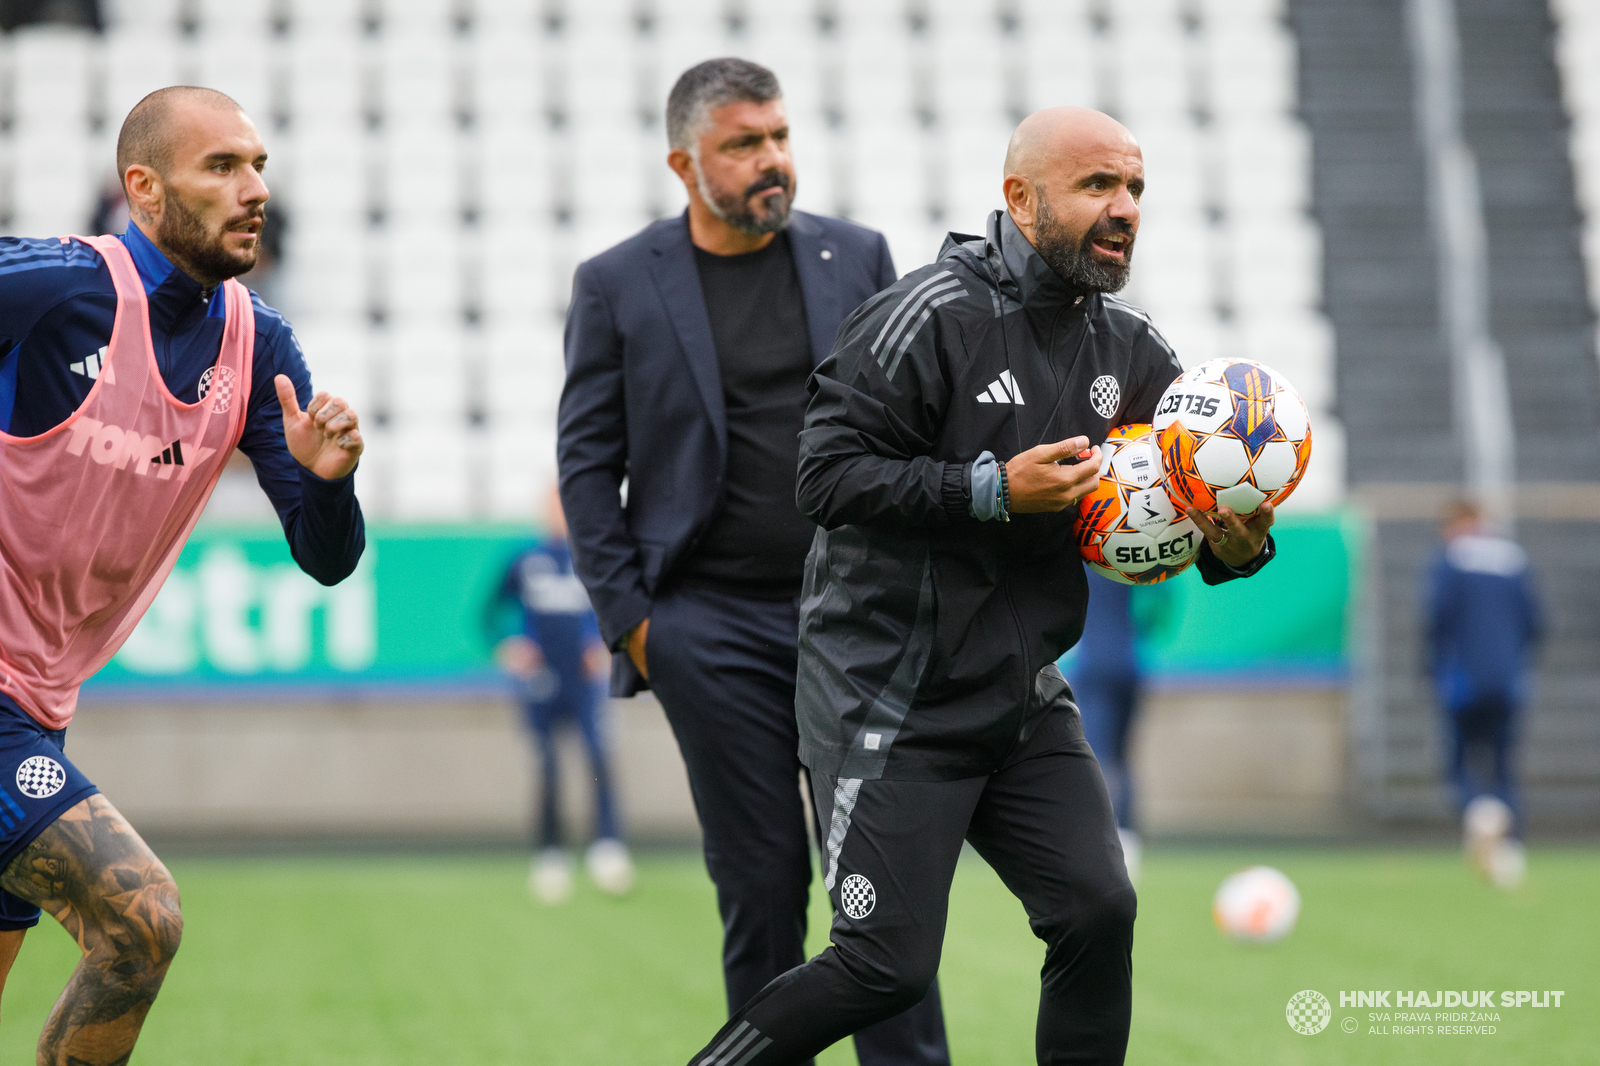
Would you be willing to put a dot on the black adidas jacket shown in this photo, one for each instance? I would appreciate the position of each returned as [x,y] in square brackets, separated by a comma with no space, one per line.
[928,639]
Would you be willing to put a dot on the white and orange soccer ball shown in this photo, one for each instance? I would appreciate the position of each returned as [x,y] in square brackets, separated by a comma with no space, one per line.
[1234,434]
[1127,528]
[1259,904]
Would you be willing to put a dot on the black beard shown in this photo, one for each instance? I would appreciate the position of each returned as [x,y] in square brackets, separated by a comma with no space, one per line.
[735,209]
[183,236]
[1074,262]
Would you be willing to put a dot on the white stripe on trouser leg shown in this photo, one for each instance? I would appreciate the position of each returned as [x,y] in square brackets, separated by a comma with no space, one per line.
[844,802]
[766,1041]
[716,1052]
[726,1057]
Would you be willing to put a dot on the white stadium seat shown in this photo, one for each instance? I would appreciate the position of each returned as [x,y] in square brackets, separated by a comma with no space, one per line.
[429,478]
[132,16]
[241,19]
[240,62]
[327,18]
[1297,344]
[1194,338]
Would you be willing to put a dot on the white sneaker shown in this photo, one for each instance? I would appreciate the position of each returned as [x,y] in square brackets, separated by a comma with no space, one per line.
[1132,853]
[1508,865]
[550,877]
[1485,826]
[610,867]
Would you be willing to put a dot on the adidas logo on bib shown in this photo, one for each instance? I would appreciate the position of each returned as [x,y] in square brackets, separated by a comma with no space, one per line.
[1002,390]
[171,454]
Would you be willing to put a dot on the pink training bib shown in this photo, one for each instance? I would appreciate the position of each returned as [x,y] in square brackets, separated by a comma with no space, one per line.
[94,512]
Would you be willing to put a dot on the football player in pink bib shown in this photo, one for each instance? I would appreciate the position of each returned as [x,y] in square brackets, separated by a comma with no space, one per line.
[130,369]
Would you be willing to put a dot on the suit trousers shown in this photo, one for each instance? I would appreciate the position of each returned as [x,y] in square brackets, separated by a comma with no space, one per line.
[723,667]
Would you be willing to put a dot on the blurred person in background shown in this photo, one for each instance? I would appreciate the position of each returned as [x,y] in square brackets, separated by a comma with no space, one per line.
[688,349]
[559,665]
[1107,684]
[1483,624]
[131,367]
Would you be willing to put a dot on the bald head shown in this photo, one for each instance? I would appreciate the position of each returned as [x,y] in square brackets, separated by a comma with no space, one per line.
[153,126]
[1072,186]
[1046,139]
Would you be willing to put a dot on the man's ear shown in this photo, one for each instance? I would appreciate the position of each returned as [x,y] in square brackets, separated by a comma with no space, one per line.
[682,164]
[1022,201]
[145,190]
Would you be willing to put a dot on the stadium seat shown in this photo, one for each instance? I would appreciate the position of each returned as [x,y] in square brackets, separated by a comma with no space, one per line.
[327,18]
[133,16]
[234,62]
[339,358]
[1194,338]
[244,18]
[1299,344]
[429,478]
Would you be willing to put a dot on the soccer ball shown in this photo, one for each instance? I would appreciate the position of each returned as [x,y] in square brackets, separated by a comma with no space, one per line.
[1127,528]
[1233,434]
[1258,904]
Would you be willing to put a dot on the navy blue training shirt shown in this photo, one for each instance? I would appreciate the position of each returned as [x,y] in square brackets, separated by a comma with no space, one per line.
[555,609]
[1483,620]
[58,305]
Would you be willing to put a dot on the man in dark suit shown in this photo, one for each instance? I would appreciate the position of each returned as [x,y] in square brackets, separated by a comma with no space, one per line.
[688,349]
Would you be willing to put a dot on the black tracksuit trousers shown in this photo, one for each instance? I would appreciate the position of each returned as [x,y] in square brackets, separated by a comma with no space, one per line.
[1042,821]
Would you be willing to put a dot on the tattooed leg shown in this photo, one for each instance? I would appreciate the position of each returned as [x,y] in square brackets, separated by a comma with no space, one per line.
[10,944]
[106,887]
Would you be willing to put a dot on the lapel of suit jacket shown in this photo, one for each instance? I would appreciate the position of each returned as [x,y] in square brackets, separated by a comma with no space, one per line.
[816,260]
[677,278]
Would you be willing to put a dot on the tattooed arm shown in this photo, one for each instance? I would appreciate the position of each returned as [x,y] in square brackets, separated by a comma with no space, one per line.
[93,873]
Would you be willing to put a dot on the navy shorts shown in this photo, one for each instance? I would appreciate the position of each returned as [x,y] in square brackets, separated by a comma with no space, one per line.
[38,784]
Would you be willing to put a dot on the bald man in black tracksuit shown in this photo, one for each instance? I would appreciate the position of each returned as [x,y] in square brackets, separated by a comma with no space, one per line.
[930,708]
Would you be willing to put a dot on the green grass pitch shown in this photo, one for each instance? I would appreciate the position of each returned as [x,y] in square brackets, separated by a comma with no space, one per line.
[394,961]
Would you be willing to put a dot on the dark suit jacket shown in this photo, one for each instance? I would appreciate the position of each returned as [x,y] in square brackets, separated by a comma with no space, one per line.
[643,401]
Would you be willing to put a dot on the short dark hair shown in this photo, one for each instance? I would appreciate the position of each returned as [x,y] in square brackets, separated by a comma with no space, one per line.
[146,136]
[712,84]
